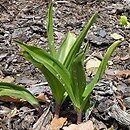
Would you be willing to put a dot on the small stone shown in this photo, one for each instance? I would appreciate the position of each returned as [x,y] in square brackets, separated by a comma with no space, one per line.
[2,56]
[42,39]
[121,87]
[102,33]
[110,62]
[8,26]
[127,1]
[36,29]
[127,92]
[127,102]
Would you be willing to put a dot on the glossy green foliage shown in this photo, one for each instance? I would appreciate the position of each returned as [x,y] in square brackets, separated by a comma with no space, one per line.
[64,68]
[55,73]
[80,89]
[66,47]
[56,65]
[75,48]
[50,32]
[101,68]
[7,89]
[88,89]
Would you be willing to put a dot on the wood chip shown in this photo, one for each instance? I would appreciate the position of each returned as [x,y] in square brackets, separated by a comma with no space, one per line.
[124,74]
[121,116]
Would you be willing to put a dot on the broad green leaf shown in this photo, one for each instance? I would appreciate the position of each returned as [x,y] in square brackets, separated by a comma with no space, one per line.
[76,46]
[7,89]
[78,78]
[51,64]
[65,47]
[53,81]
[50,32]
[101,69]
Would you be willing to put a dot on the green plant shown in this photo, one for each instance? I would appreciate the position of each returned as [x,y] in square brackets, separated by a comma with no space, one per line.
[64,68]
[124,21]
[56,65]
[7,89]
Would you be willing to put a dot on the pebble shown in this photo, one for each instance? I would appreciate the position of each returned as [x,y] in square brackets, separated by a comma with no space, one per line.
[127,1]
[127,102]
[21,34]
[127,92]
[36,29]
[8,26]
[121,87]
[102,33]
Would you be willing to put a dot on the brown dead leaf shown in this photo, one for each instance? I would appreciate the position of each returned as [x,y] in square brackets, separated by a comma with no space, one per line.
[116,36]
[41,97]
[7,79]
[101,126]
[129,80]
[83,126]
[57,123]
[92,66]
[126,57]
[9,99]
[124,74]
[12,113]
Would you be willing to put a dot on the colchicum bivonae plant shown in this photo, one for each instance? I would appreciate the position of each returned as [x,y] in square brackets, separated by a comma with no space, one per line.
[64,68]
[58,66]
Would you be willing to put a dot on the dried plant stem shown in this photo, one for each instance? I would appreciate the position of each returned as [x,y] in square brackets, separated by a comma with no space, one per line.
[79,117]
[57,110]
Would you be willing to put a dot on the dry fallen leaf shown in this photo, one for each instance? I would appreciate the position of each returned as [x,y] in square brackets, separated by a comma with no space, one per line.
[129,80]
[126,57]
[116,36]
[12,113]
[9,99]
[7,79]
[83,126]
[57,123]
[124,74]
[92,66]
[101,126]
[41,97]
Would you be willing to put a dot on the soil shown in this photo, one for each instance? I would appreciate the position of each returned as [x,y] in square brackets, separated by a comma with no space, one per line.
[26,20]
